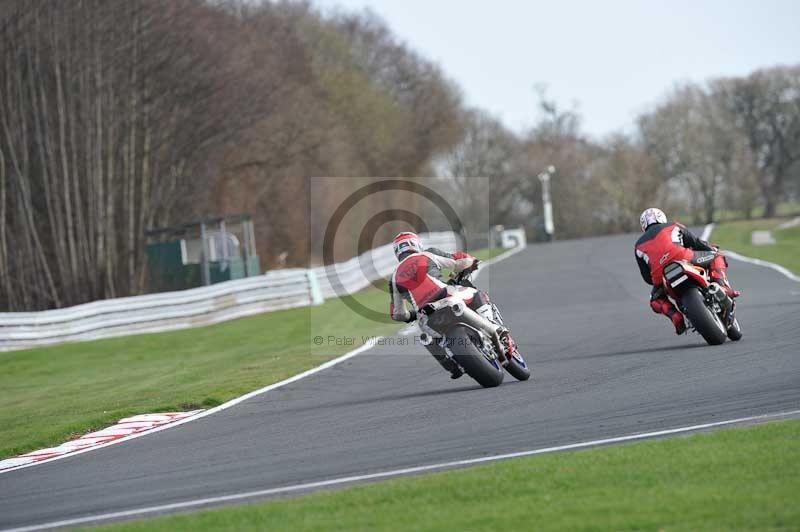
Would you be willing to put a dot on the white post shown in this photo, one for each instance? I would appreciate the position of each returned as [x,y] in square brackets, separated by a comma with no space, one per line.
[547,203]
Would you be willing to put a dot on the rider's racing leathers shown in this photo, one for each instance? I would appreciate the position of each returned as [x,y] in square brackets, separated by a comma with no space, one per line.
[418,280]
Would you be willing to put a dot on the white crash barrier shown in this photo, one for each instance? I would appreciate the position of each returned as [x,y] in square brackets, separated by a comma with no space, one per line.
[275,290]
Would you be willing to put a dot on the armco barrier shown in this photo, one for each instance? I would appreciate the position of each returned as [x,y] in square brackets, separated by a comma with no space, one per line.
[275,290]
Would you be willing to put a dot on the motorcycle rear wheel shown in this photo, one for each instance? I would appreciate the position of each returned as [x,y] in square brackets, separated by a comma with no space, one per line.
[708,324]
[469,357]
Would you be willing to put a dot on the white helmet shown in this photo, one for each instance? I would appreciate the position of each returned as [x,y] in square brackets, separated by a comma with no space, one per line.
[405,242]
[652,216]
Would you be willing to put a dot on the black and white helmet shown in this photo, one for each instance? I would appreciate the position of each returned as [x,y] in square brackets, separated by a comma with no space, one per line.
[652,216]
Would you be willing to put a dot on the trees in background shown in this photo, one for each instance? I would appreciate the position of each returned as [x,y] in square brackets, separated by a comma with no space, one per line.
[628,181]
[730,145]
[690,138]
[117,116]
[105,108]
[734,140]
[765,108]
[484,173]
[359,103]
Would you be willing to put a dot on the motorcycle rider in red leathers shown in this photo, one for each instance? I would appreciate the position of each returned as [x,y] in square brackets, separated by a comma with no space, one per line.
[418,281]
[663,243]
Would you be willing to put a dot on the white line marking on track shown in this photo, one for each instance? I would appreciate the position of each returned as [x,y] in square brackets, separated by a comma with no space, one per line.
[97,518]
[706,234]
[498,258]
[767,264]
[329,364]
[758,262]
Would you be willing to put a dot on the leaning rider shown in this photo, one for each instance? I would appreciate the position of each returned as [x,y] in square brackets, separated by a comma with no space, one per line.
[663,243]
[418,280]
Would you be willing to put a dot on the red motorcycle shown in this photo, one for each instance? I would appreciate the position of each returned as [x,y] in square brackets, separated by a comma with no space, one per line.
[705,305]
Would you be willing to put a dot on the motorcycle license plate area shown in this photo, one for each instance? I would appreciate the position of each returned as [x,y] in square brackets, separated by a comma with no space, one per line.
[678,281]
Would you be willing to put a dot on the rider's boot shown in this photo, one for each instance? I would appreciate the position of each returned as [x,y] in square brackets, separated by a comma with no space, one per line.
[734,332]
[456,373]
[677,320]
[719,275]
[731,314]
[726,287]
[664,306]
[448,364]
[451,367]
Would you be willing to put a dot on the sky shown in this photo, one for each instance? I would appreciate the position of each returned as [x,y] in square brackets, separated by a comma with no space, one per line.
[610,59]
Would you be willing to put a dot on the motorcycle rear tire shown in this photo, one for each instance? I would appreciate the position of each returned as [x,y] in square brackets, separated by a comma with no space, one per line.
[469,357]
[708,324]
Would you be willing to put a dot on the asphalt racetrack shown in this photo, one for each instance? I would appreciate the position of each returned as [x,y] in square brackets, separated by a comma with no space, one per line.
[604,366]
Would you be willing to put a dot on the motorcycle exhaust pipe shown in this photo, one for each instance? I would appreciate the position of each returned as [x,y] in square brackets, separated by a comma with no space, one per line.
[472,318]
[425,339]
[719,294]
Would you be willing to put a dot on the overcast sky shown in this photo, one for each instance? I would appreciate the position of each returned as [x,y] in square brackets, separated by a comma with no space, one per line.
[611,58]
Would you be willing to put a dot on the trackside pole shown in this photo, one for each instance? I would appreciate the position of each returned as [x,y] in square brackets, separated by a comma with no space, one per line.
[549,226]
[313,288]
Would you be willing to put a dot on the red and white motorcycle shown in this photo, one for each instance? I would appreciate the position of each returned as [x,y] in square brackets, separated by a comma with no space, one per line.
[451,329]
[706,306]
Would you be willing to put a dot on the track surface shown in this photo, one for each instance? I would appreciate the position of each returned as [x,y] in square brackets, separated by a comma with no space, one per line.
[604,365]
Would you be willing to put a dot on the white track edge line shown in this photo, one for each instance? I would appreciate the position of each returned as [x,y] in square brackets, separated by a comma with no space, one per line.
[706,234]
[389,474]
[329,364]
[498,258]
[758,262]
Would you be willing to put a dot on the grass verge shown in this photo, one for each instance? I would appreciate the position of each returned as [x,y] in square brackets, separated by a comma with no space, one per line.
[735,236]
[745,478]
[784,209]
[55,393]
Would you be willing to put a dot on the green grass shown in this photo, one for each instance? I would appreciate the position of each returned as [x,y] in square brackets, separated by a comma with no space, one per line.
[786,208]
[735,236]
[54,393]
[746,478]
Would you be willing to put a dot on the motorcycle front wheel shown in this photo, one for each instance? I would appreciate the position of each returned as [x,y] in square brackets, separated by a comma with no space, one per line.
[735,330]
[518,368]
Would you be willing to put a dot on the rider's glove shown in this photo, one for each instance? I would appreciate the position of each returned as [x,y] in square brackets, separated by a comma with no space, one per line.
[412,316]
